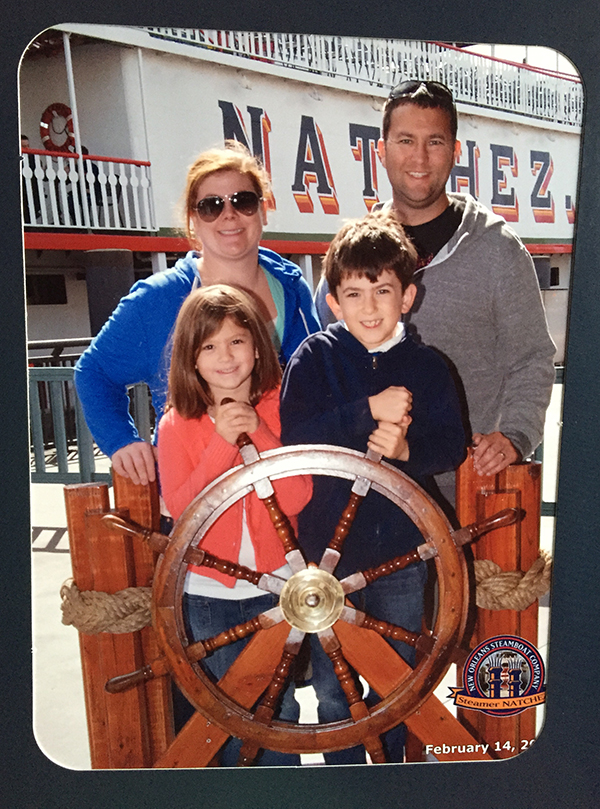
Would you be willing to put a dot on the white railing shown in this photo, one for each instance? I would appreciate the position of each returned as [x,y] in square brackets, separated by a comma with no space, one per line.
[474,79]
[113,193]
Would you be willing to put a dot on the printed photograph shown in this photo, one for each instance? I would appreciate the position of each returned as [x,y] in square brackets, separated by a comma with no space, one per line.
[326,273]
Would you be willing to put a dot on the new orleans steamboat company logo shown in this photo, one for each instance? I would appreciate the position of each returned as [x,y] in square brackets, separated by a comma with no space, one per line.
[503,676]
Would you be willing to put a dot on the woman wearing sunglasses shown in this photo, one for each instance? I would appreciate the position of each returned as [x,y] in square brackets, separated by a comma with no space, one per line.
[224,218]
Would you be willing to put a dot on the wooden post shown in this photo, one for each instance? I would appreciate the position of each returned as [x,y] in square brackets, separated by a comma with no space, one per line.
[131,729]
[143,506]
[513,548]
[79,500]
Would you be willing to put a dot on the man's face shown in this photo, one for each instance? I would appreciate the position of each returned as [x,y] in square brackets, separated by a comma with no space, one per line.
[418,156]
[371,309]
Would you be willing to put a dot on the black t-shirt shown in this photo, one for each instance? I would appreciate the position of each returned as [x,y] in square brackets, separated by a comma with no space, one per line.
[430,237]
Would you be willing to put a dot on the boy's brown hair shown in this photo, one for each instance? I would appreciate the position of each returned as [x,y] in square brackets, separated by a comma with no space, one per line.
[367,247]
[200,317]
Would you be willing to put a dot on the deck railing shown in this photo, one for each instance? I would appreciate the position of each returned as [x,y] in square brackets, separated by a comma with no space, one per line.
[45,353]
[62,447]
[474,79]
[66,190]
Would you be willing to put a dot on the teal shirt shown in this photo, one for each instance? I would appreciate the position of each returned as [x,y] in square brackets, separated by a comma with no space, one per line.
[276,290]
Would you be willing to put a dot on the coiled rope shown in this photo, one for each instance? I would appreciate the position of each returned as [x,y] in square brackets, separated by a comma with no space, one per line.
[514,590]
[128,610]
[92,611]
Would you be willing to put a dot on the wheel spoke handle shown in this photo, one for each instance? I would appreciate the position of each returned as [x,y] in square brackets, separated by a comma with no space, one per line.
[501,519]
[226,567]
[268,703]
[360,487]
[332,553]
[357,706]
[265,491]
[282,525]
[157,542]
[462,536]
[345,523]
[420,641]
[398,563]
[344,675]
[157,668]
[266,581]
[197,651]
[356,581]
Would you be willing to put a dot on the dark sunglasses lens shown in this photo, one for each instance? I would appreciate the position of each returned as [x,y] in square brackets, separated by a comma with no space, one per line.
[411,86]
[404,88]
[435,88]
[210,208]
[246,202]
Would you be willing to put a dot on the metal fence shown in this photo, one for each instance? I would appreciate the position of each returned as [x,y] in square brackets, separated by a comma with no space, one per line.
[66,190]
[61,445]
[62,448]
[51,352]
[474,79]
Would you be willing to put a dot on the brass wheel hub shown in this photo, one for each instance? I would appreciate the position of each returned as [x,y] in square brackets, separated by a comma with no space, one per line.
[312,600]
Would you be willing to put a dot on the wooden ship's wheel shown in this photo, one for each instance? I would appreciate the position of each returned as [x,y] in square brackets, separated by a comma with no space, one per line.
[312,600]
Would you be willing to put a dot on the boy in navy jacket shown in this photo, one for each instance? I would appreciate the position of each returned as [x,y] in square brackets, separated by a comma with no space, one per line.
[364,383]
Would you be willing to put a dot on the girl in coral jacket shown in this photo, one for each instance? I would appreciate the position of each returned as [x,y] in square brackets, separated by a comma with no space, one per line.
[222,350]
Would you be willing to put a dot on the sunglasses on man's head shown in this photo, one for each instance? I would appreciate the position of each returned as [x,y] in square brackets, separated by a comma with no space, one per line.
[409,87]
[211,208]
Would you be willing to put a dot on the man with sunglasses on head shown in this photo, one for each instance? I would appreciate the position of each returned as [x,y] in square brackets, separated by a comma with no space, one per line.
[478,301]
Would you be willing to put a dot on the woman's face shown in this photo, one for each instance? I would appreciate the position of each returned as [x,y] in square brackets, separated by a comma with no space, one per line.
[232,235]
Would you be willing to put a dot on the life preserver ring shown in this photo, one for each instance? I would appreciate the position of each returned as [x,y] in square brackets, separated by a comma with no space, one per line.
[48,127]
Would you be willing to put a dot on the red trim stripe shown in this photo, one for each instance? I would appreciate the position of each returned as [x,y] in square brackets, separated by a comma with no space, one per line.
[536,249]
[556,74]
[301,248]
[51,154]
[174,244]
[108,241]
[101,158]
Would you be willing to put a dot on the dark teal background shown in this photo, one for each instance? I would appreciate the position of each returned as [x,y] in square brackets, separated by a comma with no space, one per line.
[562,768]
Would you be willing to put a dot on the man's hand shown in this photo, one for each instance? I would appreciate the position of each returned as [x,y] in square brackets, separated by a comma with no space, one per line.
[493,453]
[391,405]
[389,439]
[136,461]
[234,418]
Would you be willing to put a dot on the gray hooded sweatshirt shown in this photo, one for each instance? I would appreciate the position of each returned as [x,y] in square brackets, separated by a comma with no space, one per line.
[479,304]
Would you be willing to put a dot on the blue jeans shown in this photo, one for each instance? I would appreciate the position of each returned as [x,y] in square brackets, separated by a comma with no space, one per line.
[397,598]
[205,617]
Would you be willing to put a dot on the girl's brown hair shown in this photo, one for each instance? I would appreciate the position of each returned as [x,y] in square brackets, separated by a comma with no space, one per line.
[200,317]
[234,157]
